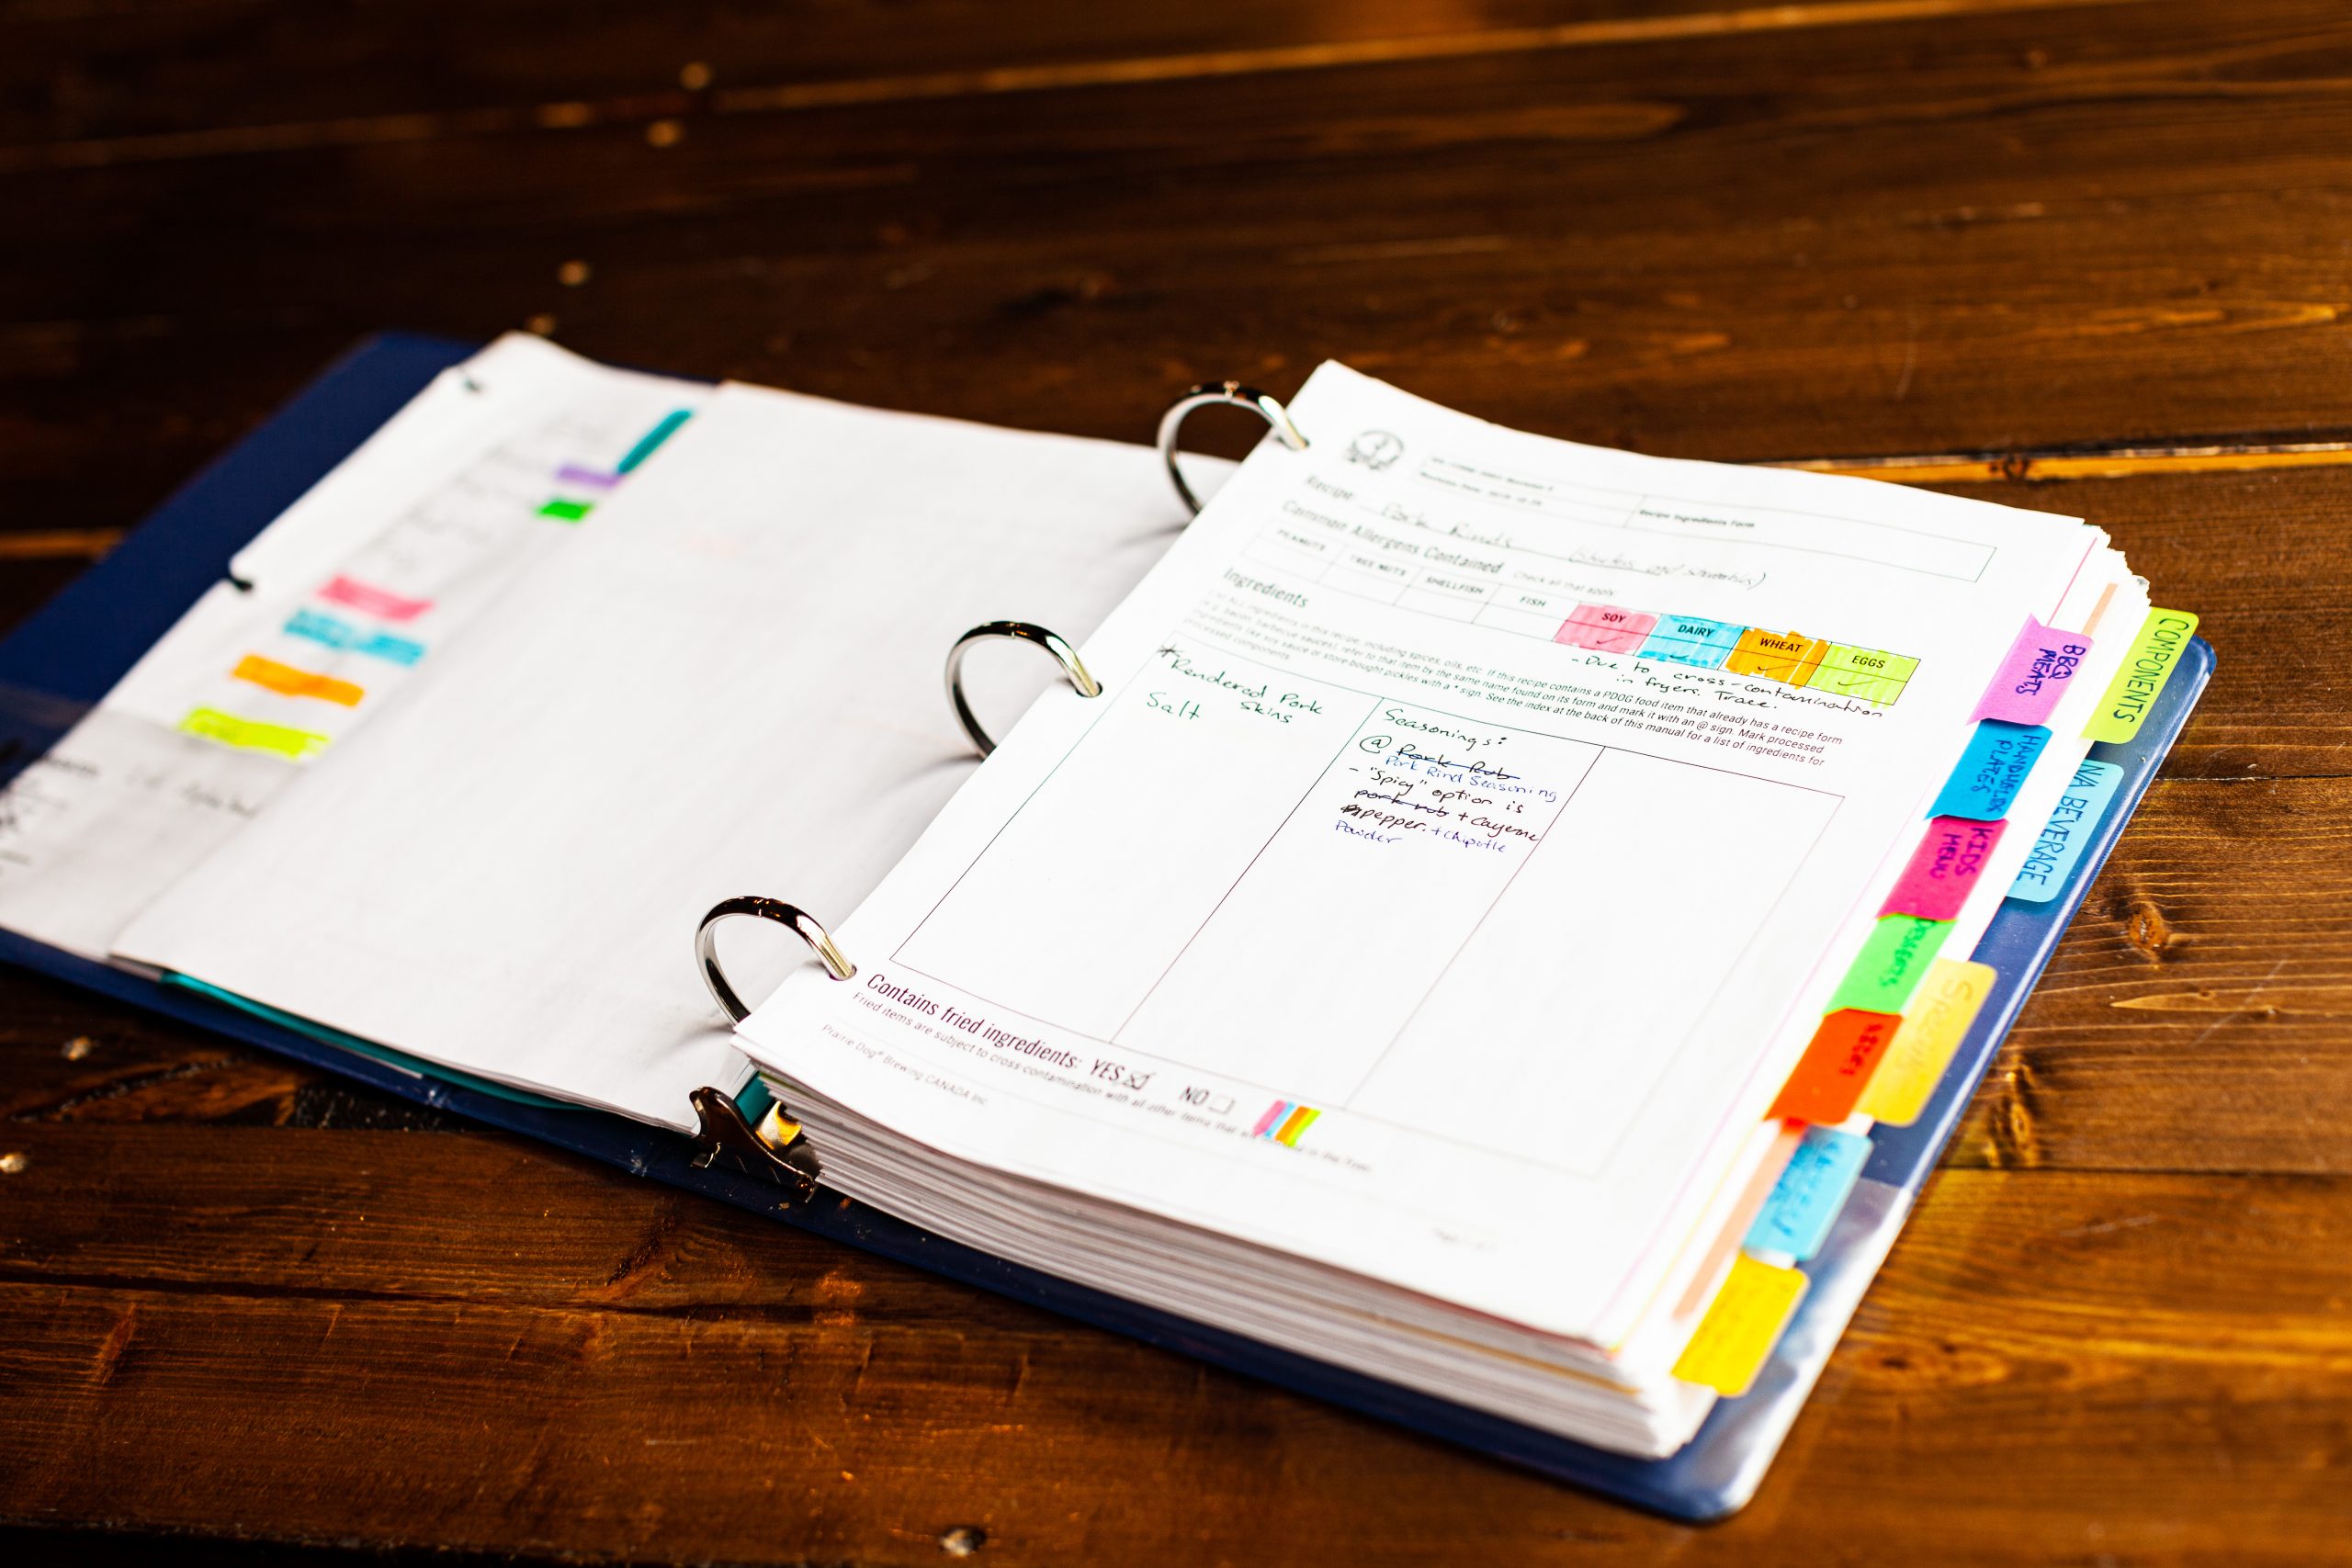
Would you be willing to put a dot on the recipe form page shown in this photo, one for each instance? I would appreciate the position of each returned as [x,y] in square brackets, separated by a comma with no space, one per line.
[1446,876]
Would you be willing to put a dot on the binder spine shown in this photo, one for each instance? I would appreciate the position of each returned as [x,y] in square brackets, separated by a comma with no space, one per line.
[1230,394]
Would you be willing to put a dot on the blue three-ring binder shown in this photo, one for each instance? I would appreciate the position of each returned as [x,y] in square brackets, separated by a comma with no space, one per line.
[69,655]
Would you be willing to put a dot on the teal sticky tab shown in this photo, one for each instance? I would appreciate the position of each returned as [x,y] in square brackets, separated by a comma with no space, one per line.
[400,1060]
[1890,964]
[1796,1218]
[1991,771]
[2050,863]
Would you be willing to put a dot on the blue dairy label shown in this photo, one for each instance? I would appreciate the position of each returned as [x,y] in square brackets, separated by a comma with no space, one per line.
[2050,863]
[1796,1218]
[1991,771]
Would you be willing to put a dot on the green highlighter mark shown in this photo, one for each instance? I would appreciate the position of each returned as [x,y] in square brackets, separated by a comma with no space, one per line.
[568,511]
[252,735]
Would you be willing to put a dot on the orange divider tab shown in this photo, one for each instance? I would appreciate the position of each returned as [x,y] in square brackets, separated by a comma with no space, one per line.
[287,680]
[1791,657]
[1837,1067]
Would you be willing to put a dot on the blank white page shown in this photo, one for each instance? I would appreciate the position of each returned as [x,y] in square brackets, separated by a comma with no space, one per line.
[729,683]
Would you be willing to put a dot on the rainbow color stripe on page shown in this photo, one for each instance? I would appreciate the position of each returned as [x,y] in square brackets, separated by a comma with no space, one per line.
[1284,1121]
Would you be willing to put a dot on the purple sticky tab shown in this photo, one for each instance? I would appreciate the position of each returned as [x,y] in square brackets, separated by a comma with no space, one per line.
[1943,869]
[2034,676]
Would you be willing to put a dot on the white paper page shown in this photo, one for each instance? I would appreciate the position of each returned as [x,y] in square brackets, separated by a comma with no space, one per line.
[729,683]
[1536,929]
[354,592]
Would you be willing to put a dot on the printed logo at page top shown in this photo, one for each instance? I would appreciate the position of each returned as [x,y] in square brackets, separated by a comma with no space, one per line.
[1375,449]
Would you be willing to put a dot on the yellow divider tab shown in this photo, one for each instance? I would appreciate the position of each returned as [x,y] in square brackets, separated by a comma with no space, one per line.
[1934,1023]
[1755,1303]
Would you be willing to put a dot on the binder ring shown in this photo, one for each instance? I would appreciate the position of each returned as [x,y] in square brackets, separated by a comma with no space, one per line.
[1232,394]
[818,939]
[1023,631]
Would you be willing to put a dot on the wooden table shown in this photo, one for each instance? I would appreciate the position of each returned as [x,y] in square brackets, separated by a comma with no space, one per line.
[2109,245]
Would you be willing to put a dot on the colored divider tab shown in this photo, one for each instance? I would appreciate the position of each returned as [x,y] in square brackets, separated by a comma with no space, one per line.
[1830,1076]
[2040,666]
[1812,1187]
[1892,964]
[289,681]
[370,600]
[252,735]
[1606,628]
[1868,673]
[1933,1025]
[1943,869]
[1687,639]
[1791,657]
[2154,654]
[2056,854]
[1991,772]
[1732,1342]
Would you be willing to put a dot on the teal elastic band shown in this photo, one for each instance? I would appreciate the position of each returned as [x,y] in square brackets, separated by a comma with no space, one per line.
[367,1048]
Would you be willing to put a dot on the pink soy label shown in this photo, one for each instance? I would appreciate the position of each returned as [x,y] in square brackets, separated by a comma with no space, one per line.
[1943,869]
[1605,628]
[2041,665]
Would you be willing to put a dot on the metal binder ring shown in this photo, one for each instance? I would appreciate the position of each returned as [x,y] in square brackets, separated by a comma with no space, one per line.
[1023,631]
[1234,394]
[818,939]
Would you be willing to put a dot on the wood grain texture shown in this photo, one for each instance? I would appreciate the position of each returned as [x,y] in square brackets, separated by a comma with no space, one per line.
[2190,1326]
[246,1304]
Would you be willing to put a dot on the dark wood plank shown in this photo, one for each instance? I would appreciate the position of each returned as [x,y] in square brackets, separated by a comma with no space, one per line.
[1651,245]
[2028,1323]
[86,72]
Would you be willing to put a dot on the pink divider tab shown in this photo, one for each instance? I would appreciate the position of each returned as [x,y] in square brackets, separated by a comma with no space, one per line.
[2034,676]
[1605,628]
[370,600]
[1943,869]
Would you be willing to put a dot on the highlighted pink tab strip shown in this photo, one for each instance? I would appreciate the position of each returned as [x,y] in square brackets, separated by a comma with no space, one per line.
[2033,677]
[377,601]
[1605,628]
[1943,869]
